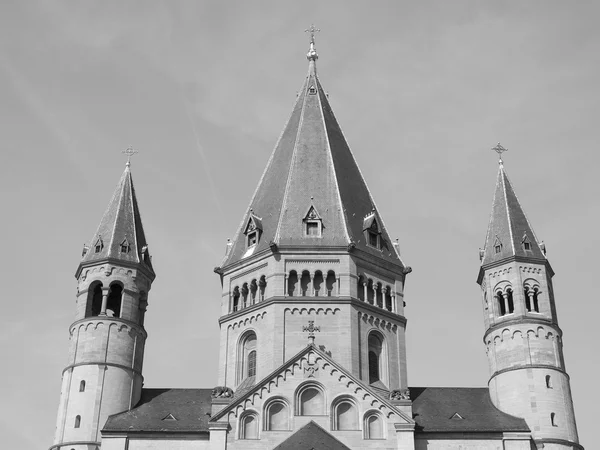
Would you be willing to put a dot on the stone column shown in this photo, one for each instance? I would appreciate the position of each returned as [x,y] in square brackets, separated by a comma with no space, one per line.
[365,296]
[104,301]
[285,285]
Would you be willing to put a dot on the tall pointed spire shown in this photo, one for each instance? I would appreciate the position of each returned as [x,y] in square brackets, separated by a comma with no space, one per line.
[311,176]
[509,232]
[120,235]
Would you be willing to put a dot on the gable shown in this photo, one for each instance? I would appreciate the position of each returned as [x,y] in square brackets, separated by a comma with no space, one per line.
[310,387]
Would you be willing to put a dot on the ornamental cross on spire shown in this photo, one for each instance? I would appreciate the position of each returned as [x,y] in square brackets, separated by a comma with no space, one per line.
[499,149]
[311,328]
[129,152]
[312,30]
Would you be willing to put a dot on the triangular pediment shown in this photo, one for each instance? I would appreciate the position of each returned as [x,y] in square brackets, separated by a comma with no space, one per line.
[311,367]
[312,214]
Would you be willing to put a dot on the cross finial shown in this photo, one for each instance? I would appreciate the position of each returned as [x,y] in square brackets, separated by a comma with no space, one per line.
[312,53]
[129,152]
[499,149]
[312,30]
[311,328]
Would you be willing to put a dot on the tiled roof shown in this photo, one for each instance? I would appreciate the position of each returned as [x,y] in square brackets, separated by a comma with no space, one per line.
[120,224]
[310,437]
[508,227]
[311,165]
[189,408]
[448,409]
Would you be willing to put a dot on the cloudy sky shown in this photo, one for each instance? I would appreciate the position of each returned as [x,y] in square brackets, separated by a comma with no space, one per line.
[423,90]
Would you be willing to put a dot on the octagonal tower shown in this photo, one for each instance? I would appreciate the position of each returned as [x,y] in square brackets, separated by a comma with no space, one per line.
[312,252]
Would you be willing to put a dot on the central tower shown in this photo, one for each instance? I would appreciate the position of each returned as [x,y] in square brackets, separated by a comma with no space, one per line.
[312,253]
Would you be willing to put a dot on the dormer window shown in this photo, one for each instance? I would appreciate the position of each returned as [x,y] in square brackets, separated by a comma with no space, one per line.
[312,90]
[525,242]
[372,231]
[253,230]
[497,245]
[124,246]
[313,225]
[99,245]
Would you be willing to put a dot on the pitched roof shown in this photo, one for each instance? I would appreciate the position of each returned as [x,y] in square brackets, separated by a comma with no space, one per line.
[311,166]
[189,408]
[449,409]
[311,436]
[508,228]
[121,225]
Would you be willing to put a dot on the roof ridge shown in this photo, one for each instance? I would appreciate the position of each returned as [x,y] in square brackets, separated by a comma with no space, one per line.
[510,230]
[330,158]
[292,159]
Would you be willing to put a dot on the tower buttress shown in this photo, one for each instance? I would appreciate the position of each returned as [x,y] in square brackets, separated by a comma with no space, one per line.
[528,377]
[107,338]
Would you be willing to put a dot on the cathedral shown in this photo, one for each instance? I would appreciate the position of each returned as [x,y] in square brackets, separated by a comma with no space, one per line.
[312,325]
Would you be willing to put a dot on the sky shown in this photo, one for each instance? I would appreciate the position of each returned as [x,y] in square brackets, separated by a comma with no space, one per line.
[202,90]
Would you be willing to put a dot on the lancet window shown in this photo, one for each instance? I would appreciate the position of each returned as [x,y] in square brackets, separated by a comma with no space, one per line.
[376,358]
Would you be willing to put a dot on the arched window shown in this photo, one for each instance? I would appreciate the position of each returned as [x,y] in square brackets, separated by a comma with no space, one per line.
[82,386]
[253,291]
[370,292]
[360,289]
[249,426]
[292,282]
[94,305]
[536,306]
[527,299]
[330,283]
[345,415]
[509,300]
[247,356]
[548,382]
[252,363]
[236,299]
[388,298]
[113,304]
[277,416]
[304,282]
[77,421]
[379,295]
[501,306]
[376,359]
[262,285]
[311,401]
[373,425]
[553,419]
[318,283]
[245,292]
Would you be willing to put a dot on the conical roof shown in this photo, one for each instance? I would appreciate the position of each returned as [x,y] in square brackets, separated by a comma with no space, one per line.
[120,235]
[312,174]
[509,232]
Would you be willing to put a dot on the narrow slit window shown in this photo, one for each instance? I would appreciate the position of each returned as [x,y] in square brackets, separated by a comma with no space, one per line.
[82,386]
[77,421]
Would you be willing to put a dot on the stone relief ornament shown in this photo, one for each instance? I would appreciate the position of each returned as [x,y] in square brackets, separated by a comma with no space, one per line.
[400,394]
[222,392]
